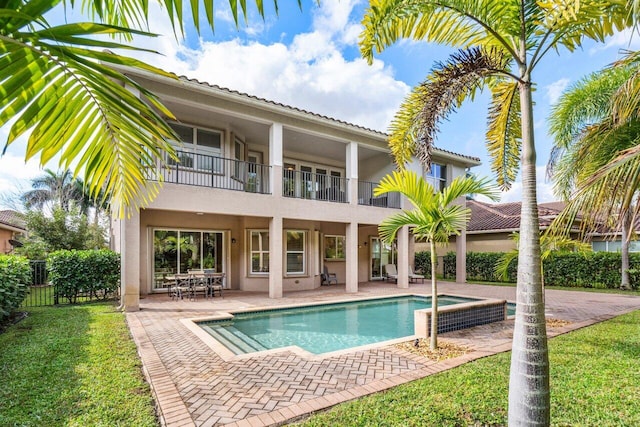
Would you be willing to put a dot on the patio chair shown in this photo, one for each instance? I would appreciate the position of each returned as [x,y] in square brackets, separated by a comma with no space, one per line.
[214,282]
[198,283]
[391,272]
[327,277]
[415,277]
[181,286]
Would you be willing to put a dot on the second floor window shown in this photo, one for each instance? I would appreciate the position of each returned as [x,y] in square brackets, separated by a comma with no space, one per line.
[437,176]
[199,148]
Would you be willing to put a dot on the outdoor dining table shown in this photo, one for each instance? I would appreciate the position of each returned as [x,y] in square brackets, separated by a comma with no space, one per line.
[193,282]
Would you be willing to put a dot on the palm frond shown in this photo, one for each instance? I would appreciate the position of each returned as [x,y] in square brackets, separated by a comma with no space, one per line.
[504,133]
[456,23]
[415,126]
[73,102]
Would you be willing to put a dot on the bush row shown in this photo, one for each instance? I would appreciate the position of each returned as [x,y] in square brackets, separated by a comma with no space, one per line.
[586,270]
[15,276]
[93,274]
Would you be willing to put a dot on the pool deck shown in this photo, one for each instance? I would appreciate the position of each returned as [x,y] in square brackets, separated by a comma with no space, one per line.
[194,386]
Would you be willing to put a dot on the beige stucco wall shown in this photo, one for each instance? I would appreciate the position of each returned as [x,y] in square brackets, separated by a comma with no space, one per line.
[497,242]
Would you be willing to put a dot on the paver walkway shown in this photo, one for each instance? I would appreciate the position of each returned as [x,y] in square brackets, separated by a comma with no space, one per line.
[194,386]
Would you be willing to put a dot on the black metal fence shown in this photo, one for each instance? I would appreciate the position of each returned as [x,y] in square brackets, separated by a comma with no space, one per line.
[42,293]
[366,197]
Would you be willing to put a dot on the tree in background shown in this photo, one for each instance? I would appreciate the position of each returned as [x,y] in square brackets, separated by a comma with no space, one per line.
[587,138]
[500,43]
[436,216]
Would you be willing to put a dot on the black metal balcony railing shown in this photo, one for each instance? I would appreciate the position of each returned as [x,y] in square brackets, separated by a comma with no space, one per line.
[314,186]
[366,197]
[217,172]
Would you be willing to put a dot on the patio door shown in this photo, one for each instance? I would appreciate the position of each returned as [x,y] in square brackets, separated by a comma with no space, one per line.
[381,254]
[178,251]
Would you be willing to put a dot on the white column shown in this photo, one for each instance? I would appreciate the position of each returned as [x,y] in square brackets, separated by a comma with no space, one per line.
[461,256]
[351,252]
[403,257]
[130,263]
[275,257]
[275,158]
[352,172]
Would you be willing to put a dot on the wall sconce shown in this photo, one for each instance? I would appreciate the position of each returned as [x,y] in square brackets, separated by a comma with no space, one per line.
[365,243]
[233,240]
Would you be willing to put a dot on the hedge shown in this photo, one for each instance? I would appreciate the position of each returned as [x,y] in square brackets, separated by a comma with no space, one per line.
[586,270]
[15,276]
[91,273]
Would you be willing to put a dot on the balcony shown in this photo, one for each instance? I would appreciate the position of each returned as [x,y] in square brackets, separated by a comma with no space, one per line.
[314,186]
[217,172]
[366,197]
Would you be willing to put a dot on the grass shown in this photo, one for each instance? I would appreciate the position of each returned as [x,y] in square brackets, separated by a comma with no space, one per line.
[72,366]
[595,374]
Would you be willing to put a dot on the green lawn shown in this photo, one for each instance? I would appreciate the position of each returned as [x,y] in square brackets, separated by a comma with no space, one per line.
[595,381]
[72,366]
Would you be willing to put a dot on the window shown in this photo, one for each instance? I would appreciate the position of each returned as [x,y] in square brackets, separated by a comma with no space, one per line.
[295,252]
[437,176]
[259,247]
[334,247]
[200,148]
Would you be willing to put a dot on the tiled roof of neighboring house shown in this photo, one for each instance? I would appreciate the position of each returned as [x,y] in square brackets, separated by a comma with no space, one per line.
[300,110]
[506,216]
[12,219]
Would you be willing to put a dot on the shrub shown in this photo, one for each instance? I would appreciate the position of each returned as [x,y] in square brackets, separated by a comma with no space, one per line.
[15,276]
[588,270]
[84,273]
[422,262]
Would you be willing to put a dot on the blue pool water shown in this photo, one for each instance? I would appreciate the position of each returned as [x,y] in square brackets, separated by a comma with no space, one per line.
[324,328]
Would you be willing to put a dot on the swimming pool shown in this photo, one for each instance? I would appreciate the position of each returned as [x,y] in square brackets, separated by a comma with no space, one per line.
[323,328]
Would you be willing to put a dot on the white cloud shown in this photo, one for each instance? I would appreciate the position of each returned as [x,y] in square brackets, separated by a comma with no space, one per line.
[555,89]
[310,73]
[625,40]
[544,189]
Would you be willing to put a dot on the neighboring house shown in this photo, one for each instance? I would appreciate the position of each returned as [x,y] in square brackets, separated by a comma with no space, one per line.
[12,226]
[491,226]
[267,193]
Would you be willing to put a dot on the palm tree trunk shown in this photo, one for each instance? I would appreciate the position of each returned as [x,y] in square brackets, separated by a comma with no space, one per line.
[529,375]
[625,283]
[433,343]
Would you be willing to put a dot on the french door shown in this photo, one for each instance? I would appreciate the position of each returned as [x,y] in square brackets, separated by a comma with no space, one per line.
[381,254]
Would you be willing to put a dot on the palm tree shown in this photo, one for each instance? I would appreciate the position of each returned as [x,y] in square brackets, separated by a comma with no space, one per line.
[57,190]
[586,139]
[500,42]
[436,216]
[60,85]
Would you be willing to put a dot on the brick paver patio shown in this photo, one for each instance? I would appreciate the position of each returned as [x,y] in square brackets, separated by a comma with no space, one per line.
[194,386]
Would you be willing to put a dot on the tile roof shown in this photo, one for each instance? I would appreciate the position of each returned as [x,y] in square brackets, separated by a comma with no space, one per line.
[300,110]
[12,218]
[506,216]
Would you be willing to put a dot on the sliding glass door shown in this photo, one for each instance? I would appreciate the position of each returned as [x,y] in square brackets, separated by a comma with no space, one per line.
[178,251]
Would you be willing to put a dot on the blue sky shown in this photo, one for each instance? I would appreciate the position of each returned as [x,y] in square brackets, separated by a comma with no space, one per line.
[310,59]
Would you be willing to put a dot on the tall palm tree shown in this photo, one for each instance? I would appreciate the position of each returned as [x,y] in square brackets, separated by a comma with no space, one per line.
[59,84]
[587,139]
[501,42]
[436,216]
[56,190]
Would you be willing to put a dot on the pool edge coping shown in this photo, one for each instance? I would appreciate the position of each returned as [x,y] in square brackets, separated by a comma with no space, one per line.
[191,323]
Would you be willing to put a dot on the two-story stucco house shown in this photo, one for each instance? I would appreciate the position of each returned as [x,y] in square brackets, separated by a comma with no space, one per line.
[268,194]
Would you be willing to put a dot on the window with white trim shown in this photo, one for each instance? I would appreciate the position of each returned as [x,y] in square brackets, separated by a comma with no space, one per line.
[437,176]
[295,252]
[200,149]
[259,247]
[334,247]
